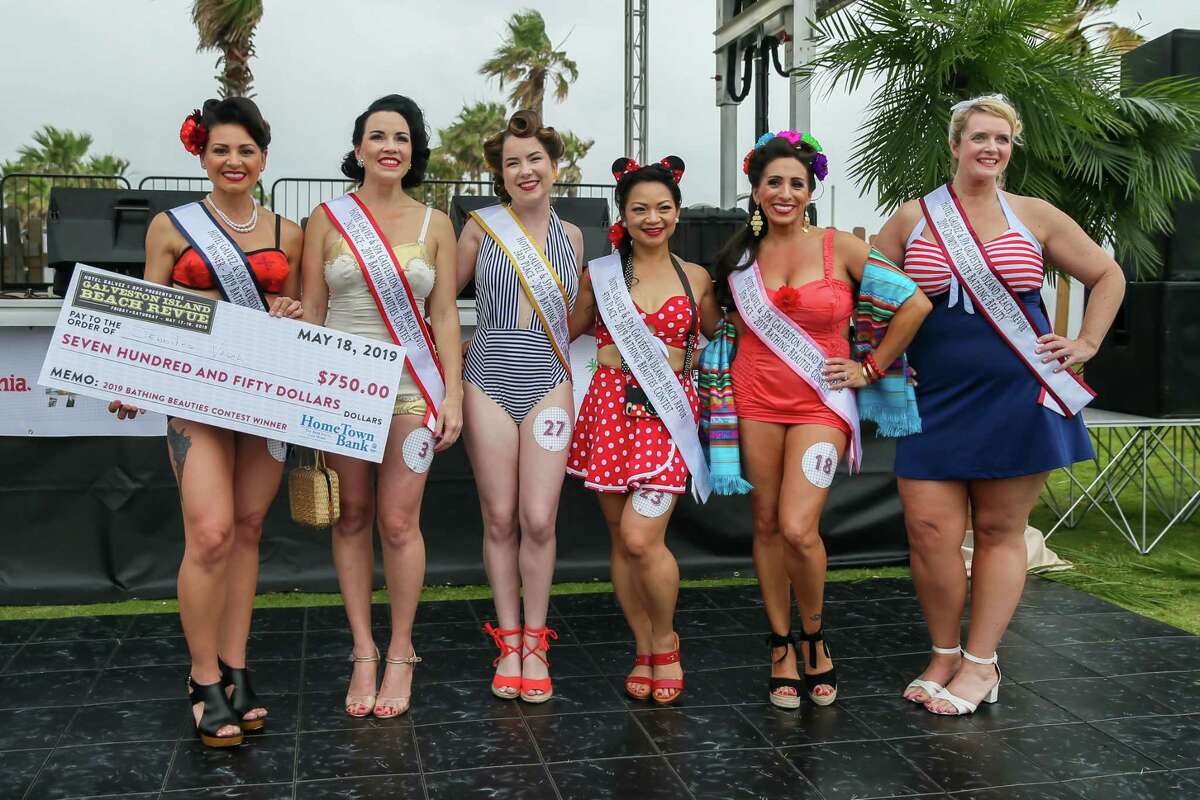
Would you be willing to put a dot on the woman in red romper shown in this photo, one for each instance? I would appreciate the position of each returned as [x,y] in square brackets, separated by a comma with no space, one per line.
[620,448]
[791,442]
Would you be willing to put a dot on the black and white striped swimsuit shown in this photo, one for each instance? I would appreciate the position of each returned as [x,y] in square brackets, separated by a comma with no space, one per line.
[515,366]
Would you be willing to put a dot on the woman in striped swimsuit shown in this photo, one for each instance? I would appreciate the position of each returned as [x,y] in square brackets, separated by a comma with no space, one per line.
[987,442]
[518,402]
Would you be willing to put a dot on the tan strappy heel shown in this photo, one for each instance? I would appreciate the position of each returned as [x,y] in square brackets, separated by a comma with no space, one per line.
[395,706]
[366,701]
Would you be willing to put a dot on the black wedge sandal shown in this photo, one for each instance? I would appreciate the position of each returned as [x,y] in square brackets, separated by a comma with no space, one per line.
[783,700]
[217,714]
[828,678]
[243,698]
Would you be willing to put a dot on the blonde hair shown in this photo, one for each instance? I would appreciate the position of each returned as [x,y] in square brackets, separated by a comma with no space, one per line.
[995,104]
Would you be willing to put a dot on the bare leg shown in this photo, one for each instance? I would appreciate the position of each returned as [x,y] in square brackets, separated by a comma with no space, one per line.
[399,502]
[1000,509]
[493,445]
[203,459]
[656,575]
[541,474]
[625,587]
[256,480]
[354,558]
[800,504]
[935,514]
[762,456]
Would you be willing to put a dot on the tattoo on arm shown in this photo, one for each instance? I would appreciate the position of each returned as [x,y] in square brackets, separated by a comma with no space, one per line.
[179,443]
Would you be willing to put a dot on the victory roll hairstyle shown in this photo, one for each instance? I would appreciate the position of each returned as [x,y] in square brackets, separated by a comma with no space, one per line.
[523,125]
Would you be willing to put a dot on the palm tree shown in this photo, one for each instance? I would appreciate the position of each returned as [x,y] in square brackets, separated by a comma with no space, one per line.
[227,26]
[462,141]
[1115,158]
[1075,29]
[575,149]
[527,61]
[55,151]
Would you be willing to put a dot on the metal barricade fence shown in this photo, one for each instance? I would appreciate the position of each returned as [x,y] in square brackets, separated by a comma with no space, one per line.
[180,183]
[295,198]
[24,206]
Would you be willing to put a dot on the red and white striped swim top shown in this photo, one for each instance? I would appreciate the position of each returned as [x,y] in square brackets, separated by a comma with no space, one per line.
[1016,254]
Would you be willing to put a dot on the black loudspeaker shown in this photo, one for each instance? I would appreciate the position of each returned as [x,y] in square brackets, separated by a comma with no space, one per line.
[104,228]
[1175,53]
[703,231]
[1149,363]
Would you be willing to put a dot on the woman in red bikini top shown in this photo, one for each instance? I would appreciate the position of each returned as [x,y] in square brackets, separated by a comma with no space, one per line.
[791,442]
[226,480]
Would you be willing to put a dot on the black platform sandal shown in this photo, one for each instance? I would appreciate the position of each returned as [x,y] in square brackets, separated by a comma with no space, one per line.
[217,714]
[243,698]
[829,677]
[783,700]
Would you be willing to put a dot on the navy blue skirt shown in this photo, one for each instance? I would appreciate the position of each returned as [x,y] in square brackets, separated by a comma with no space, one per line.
[979,412]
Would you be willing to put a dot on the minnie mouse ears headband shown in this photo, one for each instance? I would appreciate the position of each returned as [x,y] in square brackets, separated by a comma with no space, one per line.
[193,133]
[804,142]
[623,166]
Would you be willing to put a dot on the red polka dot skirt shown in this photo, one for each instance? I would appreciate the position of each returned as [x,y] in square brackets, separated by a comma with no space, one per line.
[616,453]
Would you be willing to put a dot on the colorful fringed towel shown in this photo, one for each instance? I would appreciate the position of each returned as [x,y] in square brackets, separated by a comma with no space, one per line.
[891,402]
[718,415]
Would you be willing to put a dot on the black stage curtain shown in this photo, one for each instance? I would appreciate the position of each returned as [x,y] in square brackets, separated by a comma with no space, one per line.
[97,519]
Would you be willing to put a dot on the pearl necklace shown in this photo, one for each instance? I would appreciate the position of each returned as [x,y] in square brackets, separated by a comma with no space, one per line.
[240,227]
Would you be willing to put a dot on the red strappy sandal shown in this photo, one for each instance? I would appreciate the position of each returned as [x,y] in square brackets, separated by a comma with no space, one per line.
[640,660]
[541,646]
[505,687]
[661,660]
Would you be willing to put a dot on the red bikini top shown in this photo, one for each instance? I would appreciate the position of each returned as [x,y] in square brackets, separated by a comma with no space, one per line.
[671,322]
[270,267]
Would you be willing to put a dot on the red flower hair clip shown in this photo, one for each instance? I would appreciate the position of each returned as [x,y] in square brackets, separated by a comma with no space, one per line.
[193,134]
[616,234]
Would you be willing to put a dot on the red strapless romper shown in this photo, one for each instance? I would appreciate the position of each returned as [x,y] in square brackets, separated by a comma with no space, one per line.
[766,389]
[270,266]
[616,453]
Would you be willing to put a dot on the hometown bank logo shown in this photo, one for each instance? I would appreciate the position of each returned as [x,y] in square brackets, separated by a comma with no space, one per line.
[342,434]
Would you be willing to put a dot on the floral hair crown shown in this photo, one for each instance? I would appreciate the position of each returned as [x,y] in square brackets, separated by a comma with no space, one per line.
[805,142]
[193,133]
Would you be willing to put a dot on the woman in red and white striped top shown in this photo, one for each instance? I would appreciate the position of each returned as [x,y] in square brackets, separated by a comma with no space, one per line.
[987,441]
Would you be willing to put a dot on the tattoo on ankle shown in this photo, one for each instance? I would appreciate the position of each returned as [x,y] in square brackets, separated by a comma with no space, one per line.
[179,443]
[815,617]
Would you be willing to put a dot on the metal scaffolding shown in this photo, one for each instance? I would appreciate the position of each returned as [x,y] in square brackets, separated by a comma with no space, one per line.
[636,72]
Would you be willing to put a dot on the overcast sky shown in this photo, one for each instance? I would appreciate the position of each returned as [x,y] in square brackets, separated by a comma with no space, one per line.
[127,72]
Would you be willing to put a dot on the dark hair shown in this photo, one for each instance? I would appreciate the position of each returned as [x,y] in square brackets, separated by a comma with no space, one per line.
[657,172]
[237,111]
[416,127]
[729,259]
[523,124]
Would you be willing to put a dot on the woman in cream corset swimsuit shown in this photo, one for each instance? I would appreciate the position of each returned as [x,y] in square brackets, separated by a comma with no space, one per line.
[391,149]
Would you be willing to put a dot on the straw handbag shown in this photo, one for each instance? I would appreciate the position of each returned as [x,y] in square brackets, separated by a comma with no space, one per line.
[313,494]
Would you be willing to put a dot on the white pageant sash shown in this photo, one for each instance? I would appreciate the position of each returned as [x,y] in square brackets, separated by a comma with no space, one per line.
[648,363]
[1063,392]
[224,258]
[541,283]
[385,278]
[794,347]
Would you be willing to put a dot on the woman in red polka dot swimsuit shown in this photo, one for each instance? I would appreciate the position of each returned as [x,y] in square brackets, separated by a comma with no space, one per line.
[620,447]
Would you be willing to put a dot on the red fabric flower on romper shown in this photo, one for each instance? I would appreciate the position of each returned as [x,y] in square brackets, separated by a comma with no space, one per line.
[787,299]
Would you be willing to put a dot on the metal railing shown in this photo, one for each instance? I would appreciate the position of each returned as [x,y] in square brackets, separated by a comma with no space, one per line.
[178,183]
[24,206]
[25,199]
[295,198]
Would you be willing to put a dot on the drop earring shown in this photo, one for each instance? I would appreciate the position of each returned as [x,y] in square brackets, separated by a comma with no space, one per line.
[757,223]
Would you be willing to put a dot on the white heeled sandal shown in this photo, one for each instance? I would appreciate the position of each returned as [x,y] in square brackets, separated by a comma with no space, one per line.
[961,706]
[930,687]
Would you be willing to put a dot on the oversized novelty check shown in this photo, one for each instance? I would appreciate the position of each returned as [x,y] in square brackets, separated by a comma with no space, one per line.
[185,355]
